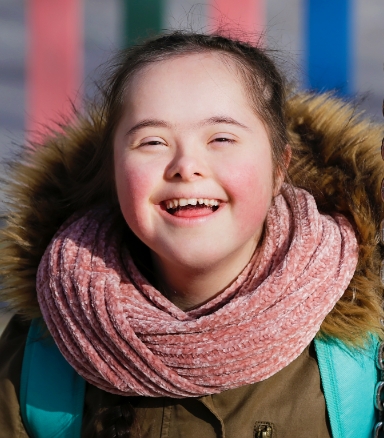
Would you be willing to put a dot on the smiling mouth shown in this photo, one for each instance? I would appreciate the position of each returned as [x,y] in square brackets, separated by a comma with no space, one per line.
[191,207]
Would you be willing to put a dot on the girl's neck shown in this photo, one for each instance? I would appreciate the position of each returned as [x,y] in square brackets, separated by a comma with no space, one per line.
[191,288]
[189,292]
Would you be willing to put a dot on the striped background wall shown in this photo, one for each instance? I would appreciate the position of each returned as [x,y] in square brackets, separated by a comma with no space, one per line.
[96,27]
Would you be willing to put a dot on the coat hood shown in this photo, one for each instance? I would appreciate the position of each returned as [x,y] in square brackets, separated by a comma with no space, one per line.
[335,156]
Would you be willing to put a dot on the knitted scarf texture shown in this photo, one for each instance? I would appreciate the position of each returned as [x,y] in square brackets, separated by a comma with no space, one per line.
[123,336]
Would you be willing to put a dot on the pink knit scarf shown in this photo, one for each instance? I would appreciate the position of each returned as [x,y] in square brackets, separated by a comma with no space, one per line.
[124,336]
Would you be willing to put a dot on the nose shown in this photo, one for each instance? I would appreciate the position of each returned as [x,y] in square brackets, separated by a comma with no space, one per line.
[186,166]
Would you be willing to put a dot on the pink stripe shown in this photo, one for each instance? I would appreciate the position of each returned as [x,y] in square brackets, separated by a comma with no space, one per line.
[54,62]
[239,17]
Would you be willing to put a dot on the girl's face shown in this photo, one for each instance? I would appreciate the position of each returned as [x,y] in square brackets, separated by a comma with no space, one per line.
[193,164]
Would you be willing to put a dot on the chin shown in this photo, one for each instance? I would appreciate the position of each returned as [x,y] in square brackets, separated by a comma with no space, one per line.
[194,261]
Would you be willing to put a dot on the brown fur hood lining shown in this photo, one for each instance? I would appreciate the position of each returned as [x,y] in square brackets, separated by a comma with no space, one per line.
[336,157]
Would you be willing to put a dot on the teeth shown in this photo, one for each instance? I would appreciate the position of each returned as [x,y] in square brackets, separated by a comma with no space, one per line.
[182,202]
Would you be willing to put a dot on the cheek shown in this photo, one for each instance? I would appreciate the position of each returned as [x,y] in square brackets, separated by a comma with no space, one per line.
[133,189]
[252,191]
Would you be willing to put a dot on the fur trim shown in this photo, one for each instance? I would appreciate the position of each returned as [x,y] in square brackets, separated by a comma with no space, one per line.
[336,157]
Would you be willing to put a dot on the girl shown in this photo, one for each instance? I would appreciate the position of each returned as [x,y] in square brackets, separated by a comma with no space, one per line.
[188,289]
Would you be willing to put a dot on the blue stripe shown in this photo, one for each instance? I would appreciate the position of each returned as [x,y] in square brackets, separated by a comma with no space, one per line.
[328,39]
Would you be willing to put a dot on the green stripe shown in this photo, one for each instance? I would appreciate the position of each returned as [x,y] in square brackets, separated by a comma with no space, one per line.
[141,19]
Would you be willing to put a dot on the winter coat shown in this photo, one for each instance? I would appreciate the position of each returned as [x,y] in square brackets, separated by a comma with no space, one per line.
[233,413]
[261,410]
[336,157]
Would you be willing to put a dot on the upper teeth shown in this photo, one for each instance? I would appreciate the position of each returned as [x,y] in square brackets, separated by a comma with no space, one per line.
[182,202]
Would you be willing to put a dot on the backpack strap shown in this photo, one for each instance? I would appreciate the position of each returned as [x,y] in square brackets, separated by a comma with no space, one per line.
[51,392]
[349,378]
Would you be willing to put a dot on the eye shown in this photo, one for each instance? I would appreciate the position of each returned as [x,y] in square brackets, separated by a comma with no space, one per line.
[152,141]
[222,139]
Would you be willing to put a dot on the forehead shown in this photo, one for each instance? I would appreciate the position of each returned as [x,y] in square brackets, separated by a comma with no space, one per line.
[201,62]
[199,80]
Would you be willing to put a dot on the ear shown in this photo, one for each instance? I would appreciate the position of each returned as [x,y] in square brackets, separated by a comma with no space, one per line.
[281,171]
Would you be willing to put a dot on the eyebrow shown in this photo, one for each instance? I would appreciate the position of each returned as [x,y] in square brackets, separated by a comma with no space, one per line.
[148,123]
[157,123]
[217,120]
